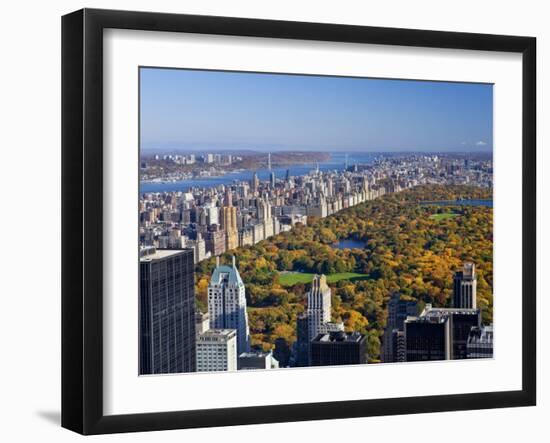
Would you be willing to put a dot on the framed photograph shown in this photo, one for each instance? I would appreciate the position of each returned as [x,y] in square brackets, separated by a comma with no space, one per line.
[268,221]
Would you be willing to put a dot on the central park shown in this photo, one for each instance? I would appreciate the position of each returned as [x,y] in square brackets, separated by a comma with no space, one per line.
[406,246]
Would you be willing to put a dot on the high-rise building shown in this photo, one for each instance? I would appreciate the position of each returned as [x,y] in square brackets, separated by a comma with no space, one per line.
[229,224]
[227,303]
[465,286]
[318,305]
[480,342]
[166,312]
[217,350]
[459,323]
[398,311]
[215,241]
[314,321]
[302,341]
[428,338]
[399,346]
[338,348]
[255,183]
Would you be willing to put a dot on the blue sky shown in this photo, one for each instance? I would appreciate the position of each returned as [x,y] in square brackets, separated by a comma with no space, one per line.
[186,109]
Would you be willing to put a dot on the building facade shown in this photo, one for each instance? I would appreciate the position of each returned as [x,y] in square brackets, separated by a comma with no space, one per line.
[257,360]
[217,350]
[227,304]
[318,305]
[459,323]
[428,338]
[465,287]
[167,312]
[398,311]
[480,342]
[338,348]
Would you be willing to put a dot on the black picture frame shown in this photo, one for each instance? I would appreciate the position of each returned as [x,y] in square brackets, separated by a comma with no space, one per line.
[82,187]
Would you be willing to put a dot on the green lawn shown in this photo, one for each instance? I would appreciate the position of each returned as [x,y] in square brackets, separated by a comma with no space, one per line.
[443,216]
[291,278]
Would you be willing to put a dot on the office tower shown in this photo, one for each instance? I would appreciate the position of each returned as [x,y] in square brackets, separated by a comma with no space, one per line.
[257,360]
[398,310]
[464,287]
[272,179]
[166,312]
[338,348]
[227,303]
[287,176]
[302,341]
[217,350]
[399,347]
[460,321]
[318,305]
[428,338]
[480,342]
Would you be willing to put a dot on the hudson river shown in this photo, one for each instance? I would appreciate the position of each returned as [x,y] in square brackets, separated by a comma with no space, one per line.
[336,162]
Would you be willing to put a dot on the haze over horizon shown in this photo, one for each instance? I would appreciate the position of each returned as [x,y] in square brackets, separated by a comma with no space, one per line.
[190,110]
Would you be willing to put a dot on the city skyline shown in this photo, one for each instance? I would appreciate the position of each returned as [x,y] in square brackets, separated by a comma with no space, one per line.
[189,110]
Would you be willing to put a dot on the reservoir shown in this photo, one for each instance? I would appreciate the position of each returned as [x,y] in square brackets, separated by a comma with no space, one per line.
[349,243]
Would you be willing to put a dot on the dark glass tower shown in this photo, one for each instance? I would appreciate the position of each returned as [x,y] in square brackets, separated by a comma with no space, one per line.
[398,311]
[338,348]
[166,312]
[428,338]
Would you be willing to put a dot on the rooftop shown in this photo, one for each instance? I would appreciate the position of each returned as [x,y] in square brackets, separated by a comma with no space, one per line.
[228,274]
[331,337]
[150,254]
[431,311]
[226,333]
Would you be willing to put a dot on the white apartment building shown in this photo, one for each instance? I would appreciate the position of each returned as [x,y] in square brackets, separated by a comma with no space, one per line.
[227,303]
[318,305]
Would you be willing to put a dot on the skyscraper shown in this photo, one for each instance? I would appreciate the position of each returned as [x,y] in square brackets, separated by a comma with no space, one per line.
[459,323]
[398,311]
[229,225]
[227,303]
[318,305]
[255,184]
[465,286]
[338,348]
[302,341]
[166,312]
[428,338]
